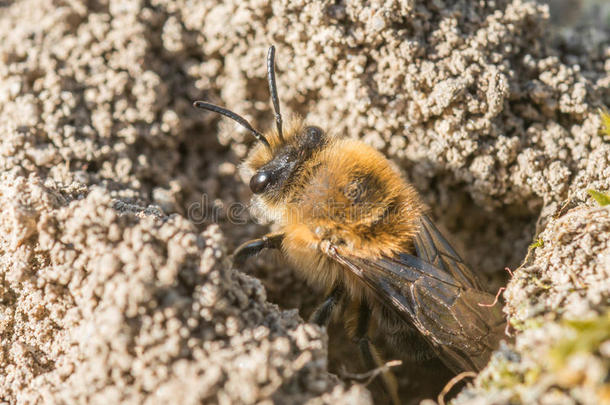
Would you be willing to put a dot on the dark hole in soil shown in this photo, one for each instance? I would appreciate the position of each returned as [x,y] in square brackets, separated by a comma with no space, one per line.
[488,240]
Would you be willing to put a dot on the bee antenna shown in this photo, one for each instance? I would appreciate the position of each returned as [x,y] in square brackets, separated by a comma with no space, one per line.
[273,90]
[235,117]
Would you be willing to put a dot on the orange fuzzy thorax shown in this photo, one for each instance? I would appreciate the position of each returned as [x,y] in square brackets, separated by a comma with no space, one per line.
[346,193]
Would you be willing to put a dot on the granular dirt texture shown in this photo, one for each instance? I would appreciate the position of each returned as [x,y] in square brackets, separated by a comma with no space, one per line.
[118,198]
[106,302]
[560,356]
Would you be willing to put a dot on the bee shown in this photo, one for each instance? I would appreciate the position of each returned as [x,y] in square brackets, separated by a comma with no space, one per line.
[353,227]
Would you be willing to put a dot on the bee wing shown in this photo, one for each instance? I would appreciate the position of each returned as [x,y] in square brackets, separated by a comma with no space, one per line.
[441,307]
[433,248]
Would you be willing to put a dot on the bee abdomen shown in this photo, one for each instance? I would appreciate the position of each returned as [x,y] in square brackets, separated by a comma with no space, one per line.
[399,338]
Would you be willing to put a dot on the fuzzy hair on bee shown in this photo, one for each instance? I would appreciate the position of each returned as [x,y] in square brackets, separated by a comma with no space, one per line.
[353,227]
[334,189]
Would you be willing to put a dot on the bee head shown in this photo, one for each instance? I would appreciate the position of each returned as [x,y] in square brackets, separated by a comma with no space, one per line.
[277,159]
[274,169]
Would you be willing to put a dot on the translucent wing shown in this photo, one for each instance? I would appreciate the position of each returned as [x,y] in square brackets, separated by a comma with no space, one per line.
[432,247]
[438,295]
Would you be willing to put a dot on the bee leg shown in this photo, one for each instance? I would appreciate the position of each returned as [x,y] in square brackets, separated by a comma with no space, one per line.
[254,246]
[370,355]
[321,316]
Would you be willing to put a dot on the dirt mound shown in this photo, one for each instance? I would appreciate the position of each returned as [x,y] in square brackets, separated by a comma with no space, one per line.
[115,285]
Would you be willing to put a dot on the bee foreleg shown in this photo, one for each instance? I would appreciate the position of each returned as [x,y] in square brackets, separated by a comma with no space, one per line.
[321,316]
[254,246]
[370,355]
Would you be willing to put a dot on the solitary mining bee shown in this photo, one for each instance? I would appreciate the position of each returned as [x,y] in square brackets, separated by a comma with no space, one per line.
[352,226]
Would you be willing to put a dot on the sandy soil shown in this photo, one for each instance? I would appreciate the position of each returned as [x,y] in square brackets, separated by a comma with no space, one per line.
[117,197]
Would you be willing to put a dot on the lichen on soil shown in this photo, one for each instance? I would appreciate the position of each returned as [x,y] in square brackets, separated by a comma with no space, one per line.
[116,284]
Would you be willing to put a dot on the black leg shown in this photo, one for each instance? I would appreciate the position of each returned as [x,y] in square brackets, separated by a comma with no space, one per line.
[370,356]
[364,321]
[323,313]
[252,247]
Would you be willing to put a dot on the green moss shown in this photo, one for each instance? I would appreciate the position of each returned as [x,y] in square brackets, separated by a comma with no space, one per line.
[589,335]
[531,323]
[532,376]
[501,376]
[605,116]
[579,336]
[537,243]
[601,198]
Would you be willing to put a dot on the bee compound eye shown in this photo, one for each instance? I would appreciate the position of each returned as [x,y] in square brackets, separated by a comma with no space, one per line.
[259,181]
